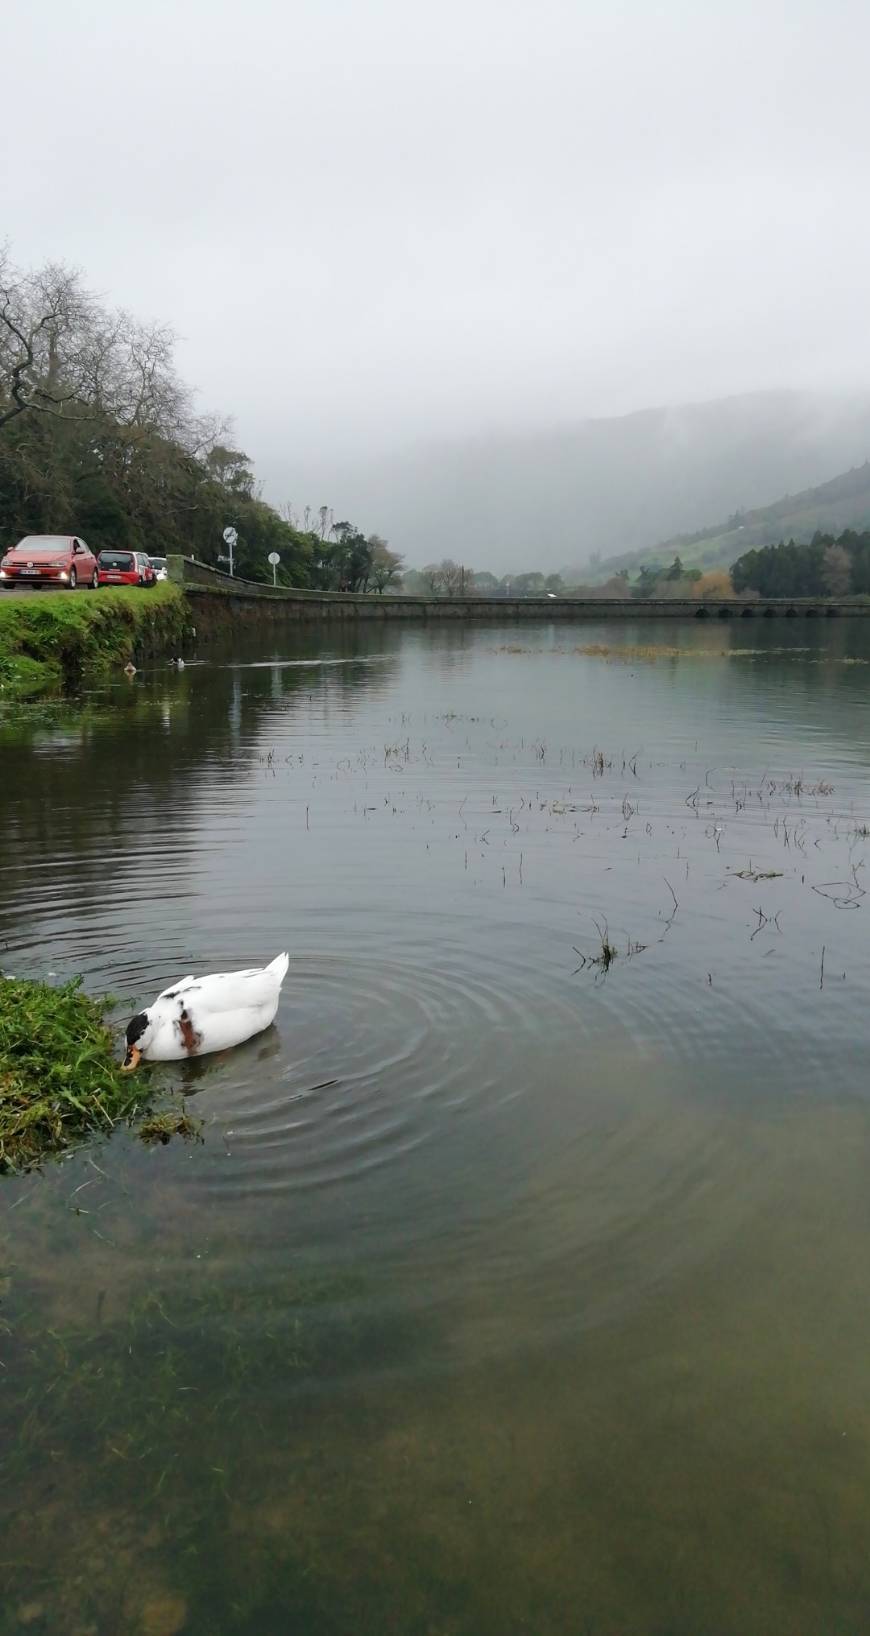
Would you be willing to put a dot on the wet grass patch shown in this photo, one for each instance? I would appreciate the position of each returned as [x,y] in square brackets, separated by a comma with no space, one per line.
[60,1080]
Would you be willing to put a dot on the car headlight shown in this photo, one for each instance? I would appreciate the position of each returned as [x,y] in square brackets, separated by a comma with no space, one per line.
[61,563]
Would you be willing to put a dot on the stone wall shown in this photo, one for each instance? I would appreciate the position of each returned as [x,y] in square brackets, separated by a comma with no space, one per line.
[244,597]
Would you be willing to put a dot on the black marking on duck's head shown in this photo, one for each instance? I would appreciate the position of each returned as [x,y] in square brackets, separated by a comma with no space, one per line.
[136,1027]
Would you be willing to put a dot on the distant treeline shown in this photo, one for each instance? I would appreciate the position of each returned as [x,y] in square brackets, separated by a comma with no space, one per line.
[828,566]
[450,579]
[99,437]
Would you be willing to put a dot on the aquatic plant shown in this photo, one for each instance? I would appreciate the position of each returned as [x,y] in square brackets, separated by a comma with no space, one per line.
[161,1127]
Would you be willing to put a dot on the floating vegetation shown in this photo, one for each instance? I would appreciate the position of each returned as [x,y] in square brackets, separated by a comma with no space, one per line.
[630,651]
[844,894]
[650,652]
[60,1081]
[756,874]
[161,1127]
[797,787]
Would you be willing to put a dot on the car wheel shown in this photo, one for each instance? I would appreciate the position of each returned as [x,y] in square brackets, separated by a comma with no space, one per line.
[95,580]
[141,580]
[73,579]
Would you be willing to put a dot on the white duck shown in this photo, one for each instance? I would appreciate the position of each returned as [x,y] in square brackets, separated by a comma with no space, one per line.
[200,1014]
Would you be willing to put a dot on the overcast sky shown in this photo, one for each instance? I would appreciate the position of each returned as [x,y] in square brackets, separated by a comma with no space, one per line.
[373,221]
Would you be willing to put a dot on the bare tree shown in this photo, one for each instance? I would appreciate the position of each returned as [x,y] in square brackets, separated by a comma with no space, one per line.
[386,565]
[47,353]
[449,578]
[431,577]
[63,354]
[837,571]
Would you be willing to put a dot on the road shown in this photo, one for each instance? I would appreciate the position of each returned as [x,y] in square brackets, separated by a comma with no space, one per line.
[35,590]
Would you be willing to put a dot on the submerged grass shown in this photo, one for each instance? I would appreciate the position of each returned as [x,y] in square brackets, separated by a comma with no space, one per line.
[50,640]
[151,1408]
[60,1081]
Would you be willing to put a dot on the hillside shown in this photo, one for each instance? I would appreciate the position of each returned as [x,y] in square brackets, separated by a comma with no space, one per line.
[537,499]
[844,502]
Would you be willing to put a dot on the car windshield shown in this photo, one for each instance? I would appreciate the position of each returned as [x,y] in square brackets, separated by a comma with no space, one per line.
[116,559]
[158,562]
[45,545]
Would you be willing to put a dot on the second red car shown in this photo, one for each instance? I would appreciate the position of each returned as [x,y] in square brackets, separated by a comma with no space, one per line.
[125,568]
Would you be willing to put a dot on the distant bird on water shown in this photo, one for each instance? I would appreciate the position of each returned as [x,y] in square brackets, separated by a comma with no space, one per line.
[201,1014]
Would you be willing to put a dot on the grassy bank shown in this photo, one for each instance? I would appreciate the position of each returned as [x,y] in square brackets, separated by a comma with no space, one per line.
[60,1078]
[52,640]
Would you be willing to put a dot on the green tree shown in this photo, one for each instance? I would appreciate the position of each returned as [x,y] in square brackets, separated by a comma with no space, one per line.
[98,436]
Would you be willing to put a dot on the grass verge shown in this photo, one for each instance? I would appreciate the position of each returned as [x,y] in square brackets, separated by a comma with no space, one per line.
[51,640]
[60,1080]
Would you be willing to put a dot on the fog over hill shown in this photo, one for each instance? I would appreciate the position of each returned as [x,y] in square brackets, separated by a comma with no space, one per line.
[829,508]
[550,497]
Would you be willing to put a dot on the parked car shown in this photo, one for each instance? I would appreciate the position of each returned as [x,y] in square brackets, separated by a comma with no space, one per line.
[161,570]
[61,560]
[126,568]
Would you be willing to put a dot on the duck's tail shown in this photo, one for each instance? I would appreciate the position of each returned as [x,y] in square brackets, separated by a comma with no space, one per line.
[279,966]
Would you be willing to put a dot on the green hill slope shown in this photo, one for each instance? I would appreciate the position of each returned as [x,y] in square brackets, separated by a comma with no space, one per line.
[844,502]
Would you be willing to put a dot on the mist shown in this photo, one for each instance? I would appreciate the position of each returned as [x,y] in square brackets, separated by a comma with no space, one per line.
[379,227]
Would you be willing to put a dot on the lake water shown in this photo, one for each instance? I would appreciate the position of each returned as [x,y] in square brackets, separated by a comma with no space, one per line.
[508,1290]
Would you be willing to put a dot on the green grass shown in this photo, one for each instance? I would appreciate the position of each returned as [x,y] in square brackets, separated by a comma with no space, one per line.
[51,640]
[60,1078]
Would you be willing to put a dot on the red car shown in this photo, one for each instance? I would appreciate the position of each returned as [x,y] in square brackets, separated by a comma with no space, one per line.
[126,568]
[61,560]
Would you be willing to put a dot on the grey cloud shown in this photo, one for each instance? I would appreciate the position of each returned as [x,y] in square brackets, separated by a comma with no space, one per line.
[374,224]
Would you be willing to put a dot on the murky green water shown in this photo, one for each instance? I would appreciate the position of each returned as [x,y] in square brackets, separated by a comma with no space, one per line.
[505,1293]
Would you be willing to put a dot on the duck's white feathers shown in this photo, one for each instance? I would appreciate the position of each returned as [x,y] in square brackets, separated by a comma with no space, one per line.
[211,1013]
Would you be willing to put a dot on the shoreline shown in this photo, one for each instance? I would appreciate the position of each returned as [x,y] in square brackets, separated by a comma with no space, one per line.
[51,641]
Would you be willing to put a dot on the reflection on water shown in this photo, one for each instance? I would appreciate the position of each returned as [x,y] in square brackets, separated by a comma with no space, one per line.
[507,1292]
